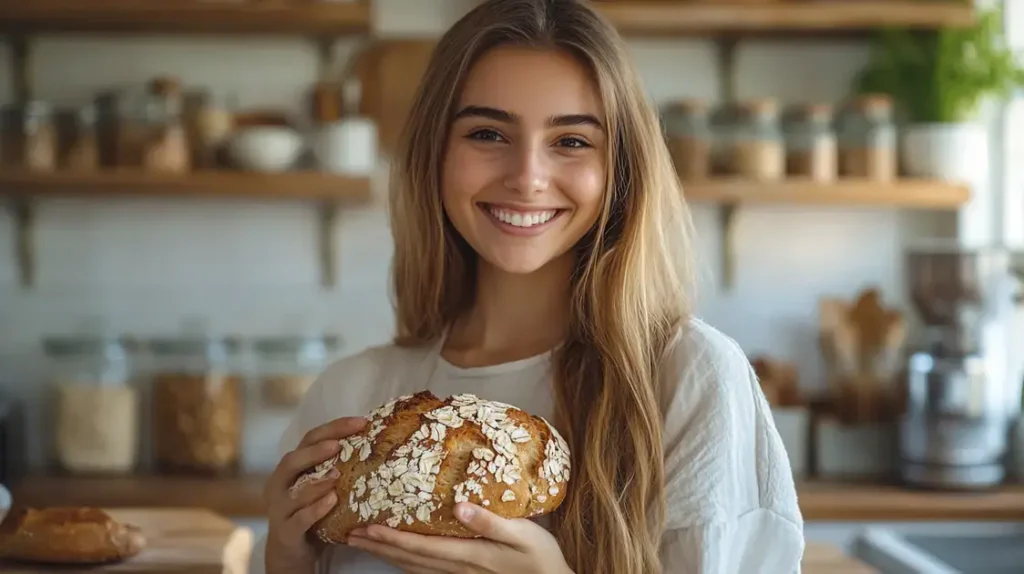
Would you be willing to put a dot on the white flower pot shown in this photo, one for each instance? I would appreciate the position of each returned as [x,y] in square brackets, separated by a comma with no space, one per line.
[955,152]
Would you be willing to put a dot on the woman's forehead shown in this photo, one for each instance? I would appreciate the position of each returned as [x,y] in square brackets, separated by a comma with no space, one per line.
[531,83]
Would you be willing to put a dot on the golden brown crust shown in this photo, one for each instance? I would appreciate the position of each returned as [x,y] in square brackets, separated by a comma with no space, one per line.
[67,535]
[420,455]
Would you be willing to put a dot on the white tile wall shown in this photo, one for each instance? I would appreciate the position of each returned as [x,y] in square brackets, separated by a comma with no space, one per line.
[252,267]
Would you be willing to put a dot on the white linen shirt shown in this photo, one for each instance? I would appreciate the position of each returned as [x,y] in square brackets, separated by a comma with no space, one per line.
[731,501]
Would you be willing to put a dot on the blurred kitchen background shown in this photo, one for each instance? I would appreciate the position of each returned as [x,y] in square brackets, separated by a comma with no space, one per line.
[202,184]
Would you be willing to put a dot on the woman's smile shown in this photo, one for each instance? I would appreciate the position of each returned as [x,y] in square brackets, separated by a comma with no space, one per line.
[521,221]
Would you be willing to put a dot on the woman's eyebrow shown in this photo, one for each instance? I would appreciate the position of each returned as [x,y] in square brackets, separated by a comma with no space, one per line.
[506,117]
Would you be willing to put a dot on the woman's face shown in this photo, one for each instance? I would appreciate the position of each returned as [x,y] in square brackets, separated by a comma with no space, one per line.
[524,171]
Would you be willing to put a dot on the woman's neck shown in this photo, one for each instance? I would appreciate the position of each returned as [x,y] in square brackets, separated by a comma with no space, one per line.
[514,316]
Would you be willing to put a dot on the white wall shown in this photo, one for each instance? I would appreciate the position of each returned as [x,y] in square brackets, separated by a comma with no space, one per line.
[252,267]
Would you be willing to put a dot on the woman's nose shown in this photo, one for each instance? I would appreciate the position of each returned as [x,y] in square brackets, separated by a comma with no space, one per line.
[528,171]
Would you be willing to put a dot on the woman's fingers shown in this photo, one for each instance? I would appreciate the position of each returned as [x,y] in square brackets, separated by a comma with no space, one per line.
[308,494]
[336,430]
[304,518]
[298,461]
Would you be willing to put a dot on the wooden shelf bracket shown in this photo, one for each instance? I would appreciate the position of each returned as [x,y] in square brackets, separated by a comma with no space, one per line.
[23,214]
[727,212]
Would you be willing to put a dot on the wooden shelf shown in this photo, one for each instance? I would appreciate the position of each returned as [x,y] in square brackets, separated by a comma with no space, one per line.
[240,497]
[914,194]
[287,186]
[826,16]
[185,16]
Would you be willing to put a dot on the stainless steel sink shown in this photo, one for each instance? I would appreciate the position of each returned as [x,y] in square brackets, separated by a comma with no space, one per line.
[975,549]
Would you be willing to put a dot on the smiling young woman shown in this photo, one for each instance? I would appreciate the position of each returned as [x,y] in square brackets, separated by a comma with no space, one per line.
[542,259]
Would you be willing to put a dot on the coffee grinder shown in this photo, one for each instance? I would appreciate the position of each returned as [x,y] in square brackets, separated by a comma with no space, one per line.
[962,378]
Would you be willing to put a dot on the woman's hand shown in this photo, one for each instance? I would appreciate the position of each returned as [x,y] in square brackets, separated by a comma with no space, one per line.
[292,513]
[507,546]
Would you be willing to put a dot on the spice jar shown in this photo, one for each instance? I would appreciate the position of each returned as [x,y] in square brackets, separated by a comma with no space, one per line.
[757,150]
[868,139]
[39,137]
[168,149]
[209,122]
[688,132]
[289,365]
[811,149]
[197,406]
[84,153]
[96,409]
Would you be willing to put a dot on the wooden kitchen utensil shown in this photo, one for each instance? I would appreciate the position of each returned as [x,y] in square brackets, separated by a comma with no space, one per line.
[178,540]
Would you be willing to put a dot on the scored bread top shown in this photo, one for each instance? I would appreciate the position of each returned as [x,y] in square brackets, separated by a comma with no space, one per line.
[419,455]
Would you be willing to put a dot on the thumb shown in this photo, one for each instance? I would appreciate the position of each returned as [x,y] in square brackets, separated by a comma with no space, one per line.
[487,524]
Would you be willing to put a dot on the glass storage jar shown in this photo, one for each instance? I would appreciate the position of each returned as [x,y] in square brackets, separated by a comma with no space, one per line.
[688,133]
[757,150]
[811,149]
[96,407]
[289,365]
[39,137]
[197,406]
[868,139]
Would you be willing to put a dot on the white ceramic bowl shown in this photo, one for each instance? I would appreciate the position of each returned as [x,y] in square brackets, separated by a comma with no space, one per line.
[265,148]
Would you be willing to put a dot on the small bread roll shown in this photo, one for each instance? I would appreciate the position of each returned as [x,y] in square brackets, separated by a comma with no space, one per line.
[68,535]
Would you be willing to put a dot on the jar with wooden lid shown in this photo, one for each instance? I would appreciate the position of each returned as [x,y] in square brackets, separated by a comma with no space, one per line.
[197,405]
[209,121]
[289,365]
[83,154]
[688,133]
[95,410]
[867,139]
[757,150]
[39,137]
[811,148]
[168,148]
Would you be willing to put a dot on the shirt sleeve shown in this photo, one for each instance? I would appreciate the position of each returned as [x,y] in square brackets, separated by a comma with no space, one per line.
[731,503]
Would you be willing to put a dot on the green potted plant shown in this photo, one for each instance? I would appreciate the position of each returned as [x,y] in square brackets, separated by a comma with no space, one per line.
[938,81]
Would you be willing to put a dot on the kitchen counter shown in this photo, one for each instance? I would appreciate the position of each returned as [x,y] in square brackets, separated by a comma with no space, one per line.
[243,497]
[821,558]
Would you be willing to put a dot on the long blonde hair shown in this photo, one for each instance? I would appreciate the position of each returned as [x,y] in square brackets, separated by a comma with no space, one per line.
[630,285]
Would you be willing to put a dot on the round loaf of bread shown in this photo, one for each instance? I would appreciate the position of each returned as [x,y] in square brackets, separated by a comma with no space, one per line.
[419,456]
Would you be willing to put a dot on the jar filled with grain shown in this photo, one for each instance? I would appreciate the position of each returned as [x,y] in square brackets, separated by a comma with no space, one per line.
[168,148]
[867,139]
[39,137]
[95,406]
[757,150]
[84,152]
[811,148]
[688,133]
[289,365]
[197,405]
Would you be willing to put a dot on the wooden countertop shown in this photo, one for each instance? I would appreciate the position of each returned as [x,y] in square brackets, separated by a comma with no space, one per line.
[820,558]
[243,497]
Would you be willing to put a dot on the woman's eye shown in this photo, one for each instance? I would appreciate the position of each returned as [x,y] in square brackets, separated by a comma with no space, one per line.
[573,142]
[486,135]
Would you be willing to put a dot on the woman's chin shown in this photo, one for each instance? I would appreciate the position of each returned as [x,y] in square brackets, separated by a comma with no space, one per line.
[512,264]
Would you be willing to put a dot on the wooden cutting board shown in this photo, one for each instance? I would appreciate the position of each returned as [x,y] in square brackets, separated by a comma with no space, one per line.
[821,558]
[178,540]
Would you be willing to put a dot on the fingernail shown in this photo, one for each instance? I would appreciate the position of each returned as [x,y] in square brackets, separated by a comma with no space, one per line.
[358,533]
[465,512]
[332,446]
[333,474]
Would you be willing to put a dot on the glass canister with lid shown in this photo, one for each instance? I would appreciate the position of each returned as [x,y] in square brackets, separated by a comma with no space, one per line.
[811,149]
[688,132]
[867,139]
[289,365]
[197,405]
[757,148]
[96,407]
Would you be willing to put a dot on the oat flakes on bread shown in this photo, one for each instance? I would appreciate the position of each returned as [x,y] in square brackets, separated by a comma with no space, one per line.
[420,455]
[67,535]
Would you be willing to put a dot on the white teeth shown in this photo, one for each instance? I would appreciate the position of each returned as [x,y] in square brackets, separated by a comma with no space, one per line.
[520,219]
